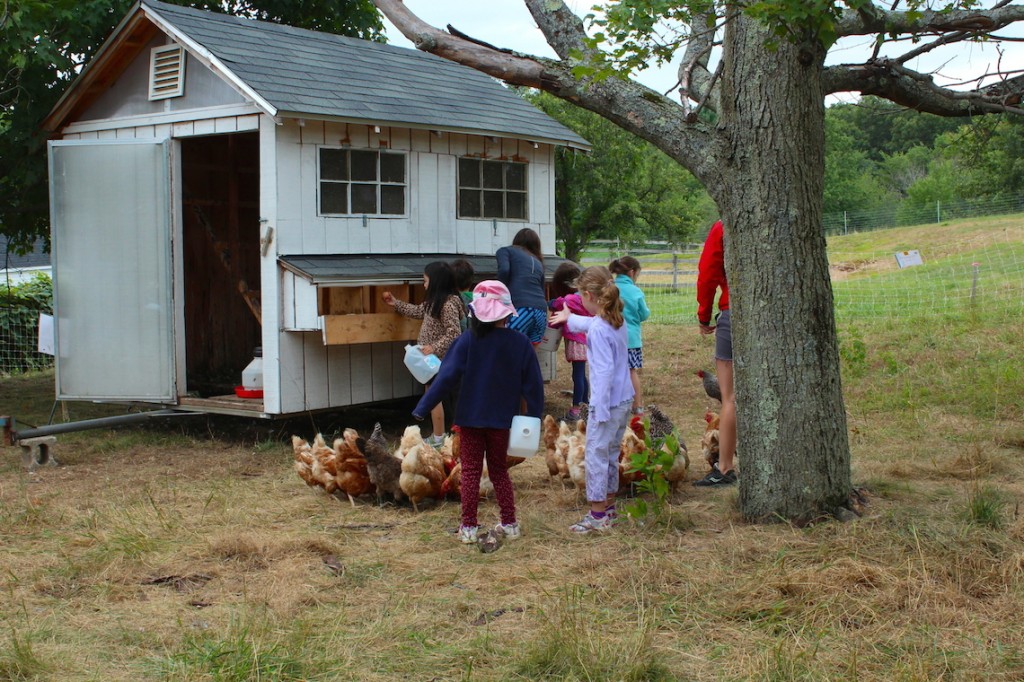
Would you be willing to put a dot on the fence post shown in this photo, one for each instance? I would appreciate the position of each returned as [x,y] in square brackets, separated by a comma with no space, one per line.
[974,282]
[846,223]
[675,270]
[938,211]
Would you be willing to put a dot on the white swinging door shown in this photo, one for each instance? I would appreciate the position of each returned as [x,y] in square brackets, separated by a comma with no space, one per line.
[110,212]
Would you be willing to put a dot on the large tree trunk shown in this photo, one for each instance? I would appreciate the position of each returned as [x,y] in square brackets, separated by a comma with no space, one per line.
[792,440]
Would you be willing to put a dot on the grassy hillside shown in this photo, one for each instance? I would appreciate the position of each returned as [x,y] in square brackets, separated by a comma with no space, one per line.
[192,551]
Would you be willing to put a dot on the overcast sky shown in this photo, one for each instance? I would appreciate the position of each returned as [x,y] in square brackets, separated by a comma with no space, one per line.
[507,23]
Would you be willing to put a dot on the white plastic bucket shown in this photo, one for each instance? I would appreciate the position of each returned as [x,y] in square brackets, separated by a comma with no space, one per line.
[423,367]
[551,339]
[252,375]
[524,436]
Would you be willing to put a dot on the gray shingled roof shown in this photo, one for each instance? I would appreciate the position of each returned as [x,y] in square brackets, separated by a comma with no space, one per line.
[340,269]
[307,73]
[37,257]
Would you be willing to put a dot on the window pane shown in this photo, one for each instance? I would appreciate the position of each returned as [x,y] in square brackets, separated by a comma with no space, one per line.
[493,171]
[392,200]
[333,197]
[494,204]
[364,198]
[392,168]
[469,173]
[515,205]
[333,165]
[364,166]
[469,203]
[515,176]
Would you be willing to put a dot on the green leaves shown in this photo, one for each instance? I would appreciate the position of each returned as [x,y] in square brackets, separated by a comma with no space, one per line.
[652,463]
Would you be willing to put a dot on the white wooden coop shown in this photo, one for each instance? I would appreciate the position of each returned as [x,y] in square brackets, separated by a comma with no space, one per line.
[219,184]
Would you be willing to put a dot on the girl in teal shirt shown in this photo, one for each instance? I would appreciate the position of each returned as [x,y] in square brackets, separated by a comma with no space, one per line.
[635,310]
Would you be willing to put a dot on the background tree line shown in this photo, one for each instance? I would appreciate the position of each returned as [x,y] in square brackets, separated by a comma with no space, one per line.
[878,154]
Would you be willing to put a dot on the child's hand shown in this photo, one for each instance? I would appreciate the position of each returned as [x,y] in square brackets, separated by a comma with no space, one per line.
[388,298]
[427,349]
[558,318]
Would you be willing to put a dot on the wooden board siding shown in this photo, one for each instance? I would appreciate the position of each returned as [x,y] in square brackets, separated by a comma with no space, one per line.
[430,225]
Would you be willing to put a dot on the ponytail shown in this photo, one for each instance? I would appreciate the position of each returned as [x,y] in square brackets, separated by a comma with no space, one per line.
[598,281]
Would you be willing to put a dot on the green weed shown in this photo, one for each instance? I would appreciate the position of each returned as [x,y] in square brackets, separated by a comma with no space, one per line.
[986,507]
[18,661]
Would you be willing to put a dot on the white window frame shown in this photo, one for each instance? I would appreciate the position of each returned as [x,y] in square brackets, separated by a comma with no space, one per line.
[525,192]
[321,181]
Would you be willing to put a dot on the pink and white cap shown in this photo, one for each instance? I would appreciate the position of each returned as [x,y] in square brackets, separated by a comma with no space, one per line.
[491,301]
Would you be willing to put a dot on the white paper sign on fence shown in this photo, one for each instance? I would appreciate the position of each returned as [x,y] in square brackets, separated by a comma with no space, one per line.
[907,258]
[45,334]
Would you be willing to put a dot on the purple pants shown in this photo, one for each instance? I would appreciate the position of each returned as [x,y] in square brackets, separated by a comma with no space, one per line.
[604,442]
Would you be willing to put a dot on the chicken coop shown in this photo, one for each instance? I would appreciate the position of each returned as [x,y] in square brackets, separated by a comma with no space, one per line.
[220,184]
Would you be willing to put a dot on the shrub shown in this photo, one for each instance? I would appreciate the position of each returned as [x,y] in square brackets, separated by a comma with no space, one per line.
[20,306]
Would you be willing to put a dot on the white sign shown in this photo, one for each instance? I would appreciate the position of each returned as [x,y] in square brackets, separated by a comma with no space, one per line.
[45,334]
[907,258]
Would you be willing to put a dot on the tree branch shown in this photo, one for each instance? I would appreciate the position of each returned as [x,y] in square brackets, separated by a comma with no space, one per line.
[854,23]
[889,79]
[630,105]
[695,81]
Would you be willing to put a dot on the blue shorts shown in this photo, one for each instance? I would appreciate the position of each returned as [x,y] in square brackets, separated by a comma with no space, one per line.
[723,337]
[530,321]
[636,358]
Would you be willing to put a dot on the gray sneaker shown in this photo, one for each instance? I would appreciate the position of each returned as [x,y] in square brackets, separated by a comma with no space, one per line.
[509,531]
[589,524]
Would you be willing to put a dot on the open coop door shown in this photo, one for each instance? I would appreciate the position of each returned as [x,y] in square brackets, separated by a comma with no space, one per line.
[113,300]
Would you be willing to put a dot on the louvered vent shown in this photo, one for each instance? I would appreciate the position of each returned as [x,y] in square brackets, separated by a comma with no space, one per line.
[167,72]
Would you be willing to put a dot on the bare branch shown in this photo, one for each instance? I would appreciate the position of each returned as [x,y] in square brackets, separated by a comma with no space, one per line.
[853,23]
[889,79]
[630,105]
[562,29]
[695,81]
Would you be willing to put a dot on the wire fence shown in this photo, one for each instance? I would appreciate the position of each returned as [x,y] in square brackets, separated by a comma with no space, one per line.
[985,275]
[988,275]
[21,303]
[906,213]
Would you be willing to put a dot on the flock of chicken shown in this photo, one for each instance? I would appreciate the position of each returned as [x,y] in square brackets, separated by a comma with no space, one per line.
[565,449]
[414,470]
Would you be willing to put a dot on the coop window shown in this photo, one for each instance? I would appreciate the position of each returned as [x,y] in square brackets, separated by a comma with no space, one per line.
[492,189]
[361,182]
[166,72]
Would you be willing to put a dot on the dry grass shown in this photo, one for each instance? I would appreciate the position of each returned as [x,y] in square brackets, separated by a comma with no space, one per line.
[171,554]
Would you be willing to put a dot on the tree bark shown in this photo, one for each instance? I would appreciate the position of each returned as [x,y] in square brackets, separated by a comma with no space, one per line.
[792,440]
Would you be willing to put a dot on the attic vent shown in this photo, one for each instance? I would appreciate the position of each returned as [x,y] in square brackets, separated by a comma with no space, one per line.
[167,72]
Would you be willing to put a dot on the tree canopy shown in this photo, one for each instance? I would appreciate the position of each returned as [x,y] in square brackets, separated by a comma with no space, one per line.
[761,158]
[43,45]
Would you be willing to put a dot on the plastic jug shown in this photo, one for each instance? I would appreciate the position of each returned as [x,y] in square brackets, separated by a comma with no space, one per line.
[423,367]
[551,339]
[524,437]
[252,375]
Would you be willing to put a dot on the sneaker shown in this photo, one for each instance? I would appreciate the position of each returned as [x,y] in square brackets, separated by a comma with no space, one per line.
[435,441]
[590,524]
[571,417]
[467,534]
[612,515]
[716,477]
[509,531]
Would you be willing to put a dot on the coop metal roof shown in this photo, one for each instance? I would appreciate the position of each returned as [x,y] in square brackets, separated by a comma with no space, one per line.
[295,72]
[350,269]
